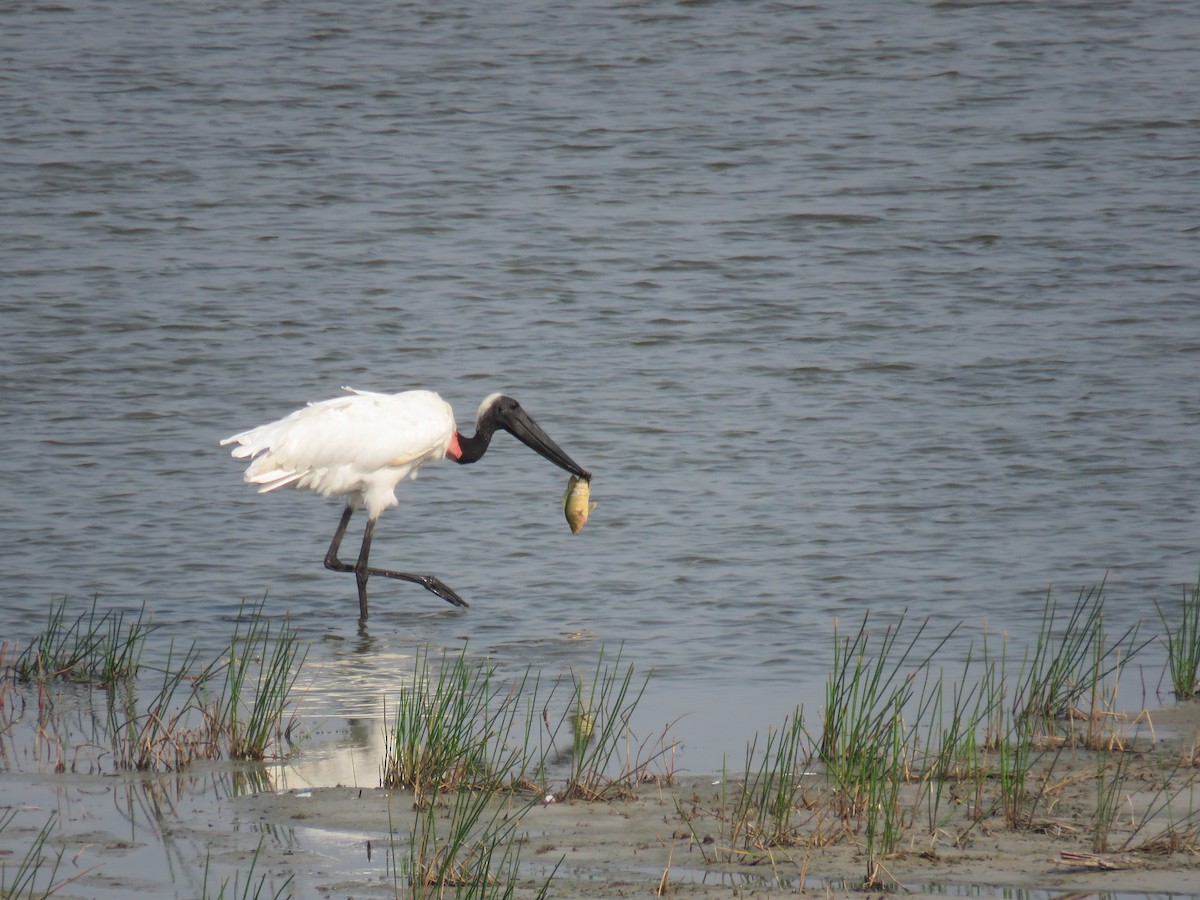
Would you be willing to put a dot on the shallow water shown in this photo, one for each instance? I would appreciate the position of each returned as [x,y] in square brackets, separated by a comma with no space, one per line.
[847,309]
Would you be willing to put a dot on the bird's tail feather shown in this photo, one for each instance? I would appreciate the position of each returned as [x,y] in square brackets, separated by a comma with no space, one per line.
[273,480]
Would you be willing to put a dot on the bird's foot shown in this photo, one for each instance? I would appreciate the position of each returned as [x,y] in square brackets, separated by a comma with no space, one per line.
[429,582]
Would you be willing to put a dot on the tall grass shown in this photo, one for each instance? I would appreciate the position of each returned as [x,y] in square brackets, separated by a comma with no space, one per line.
[1072,658]
[454,726]
[956,734]
[451,728]
[866,688]
[763,811]
[899,742]
[1112,775]
[260,675]
[601,729]
[1181,831]
[11,700]
[36,874]
[158,717]
[1015,756]
[98,647]
[867,744]
[165,732]
[475,852]
[767,799]
[180,723]
[1183,644]
[21,880]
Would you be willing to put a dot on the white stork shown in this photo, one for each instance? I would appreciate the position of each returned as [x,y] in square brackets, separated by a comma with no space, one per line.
[362,445]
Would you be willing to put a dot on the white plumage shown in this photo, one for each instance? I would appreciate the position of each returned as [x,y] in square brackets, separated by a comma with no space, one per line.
[360,446]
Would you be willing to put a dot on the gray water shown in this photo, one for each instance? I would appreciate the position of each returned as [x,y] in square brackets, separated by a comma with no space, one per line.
[848,307]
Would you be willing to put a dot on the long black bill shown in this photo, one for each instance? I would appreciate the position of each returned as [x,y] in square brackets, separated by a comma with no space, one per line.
[520,425]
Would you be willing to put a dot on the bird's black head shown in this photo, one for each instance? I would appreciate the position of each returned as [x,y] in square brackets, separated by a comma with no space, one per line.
[501,411]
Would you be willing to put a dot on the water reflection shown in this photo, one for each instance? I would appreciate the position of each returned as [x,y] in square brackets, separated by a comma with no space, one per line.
[139,832]
[350,755]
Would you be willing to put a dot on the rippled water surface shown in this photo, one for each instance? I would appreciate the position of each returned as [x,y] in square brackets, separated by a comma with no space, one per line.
[847,307]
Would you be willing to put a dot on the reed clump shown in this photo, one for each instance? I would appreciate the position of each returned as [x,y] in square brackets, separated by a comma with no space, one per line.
[770,810]
[261,669]
[1183,644]
[157,724]
[466,844]
[147,717]
[97,647]
[604,760]
[1074,668]
[455,726]
[452,728]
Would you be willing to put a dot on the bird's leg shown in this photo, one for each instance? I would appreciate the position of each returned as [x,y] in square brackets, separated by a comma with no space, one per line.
[362,571]
[429,582]
[331,555]
[359,569]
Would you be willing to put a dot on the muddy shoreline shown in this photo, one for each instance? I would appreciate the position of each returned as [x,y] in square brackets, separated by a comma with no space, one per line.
[183,835]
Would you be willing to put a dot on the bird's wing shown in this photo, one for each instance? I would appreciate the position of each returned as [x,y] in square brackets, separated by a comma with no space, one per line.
[334,445]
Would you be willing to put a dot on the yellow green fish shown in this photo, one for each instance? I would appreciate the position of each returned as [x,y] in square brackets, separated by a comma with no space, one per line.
[575,503]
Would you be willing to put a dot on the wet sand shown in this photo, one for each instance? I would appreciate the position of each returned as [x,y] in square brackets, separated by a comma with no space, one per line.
[142,835]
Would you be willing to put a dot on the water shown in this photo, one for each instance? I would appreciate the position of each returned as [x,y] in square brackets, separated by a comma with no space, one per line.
[848,308]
